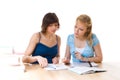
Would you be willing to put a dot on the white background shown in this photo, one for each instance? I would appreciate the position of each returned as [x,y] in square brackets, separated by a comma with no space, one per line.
[19,19]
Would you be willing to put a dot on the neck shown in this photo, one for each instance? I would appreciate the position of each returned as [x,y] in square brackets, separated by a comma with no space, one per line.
[80,38]
[48,35]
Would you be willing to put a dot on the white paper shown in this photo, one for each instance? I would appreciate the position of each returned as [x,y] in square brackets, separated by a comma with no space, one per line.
[56,67]
[86,70]
[84,64]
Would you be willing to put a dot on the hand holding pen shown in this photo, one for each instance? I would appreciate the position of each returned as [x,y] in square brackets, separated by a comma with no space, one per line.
[79,56]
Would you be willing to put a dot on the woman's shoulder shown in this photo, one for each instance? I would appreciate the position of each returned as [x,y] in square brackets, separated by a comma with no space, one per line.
[71,36]
[58,37]
[36,36]
[95,39]
[94,35]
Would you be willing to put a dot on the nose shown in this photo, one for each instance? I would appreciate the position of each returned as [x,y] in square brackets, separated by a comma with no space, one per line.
[76,30]
[55,27]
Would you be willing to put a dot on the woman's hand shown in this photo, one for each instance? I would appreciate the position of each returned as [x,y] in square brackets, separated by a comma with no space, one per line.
[66,60]
[55,60]
[78,56]
[42,61]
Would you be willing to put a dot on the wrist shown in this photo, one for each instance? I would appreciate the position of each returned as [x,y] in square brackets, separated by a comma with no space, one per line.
[57,58]
[66,60]
[85,59]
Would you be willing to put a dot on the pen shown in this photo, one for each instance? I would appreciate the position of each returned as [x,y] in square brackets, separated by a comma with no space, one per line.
[90,63]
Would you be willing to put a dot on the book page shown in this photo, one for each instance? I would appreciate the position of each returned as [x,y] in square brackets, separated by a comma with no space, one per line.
[84,64]
[79,70]
[86,70]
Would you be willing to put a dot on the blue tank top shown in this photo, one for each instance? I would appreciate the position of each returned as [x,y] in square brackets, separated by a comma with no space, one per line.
[45,51]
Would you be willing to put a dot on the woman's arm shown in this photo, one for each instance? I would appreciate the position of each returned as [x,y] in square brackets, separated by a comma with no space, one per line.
[67,57]
[98,55]
[57,57]
[59,44]
[27,58]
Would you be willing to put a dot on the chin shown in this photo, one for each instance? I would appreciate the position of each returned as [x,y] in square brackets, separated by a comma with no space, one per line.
[76,36]
[52,32]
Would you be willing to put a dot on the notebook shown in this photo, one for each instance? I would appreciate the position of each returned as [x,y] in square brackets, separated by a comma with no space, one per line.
[56,67]
[86,70]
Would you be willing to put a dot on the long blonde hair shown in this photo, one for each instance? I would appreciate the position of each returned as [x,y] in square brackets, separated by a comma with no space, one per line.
[87,21]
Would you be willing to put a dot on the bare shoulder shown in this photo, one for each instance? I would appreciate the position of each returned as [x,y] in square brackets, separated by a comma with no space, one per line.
[35,36]
[58,37]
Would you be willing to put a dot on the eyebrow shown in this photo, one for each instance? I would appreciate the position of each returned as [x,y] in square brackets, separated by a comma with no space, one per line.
[81,29]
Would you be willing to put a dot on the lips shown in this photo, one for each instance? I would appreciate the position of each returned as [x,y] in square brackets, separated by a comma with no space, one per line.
[53,31]
[76,34]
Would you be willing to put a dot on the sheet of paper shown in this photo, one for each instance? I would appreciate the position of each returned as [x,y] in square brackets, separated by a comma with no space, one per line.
[56,67]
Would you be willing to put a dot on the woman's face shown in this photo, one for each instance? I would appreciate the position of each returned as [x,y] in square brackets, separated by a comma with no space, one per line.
[51,29]
[79,29]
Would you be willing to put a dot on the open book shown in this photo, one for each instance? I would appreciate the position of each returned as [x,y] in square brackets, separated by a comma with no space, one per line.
[56,67]
[84,64]
[86,70]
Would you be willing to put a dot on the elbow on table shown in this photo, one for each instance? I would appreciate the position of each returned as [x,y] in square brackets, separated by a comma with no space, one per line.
[99,60]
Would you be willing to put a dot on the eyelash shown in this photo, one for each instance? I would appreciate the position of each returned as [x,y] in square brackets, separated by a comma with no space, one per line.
[79,28]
